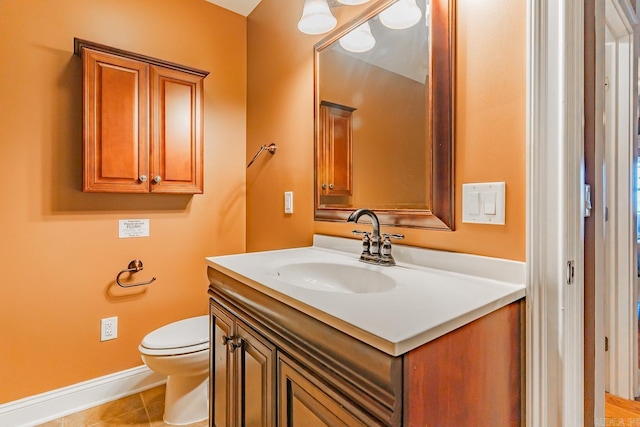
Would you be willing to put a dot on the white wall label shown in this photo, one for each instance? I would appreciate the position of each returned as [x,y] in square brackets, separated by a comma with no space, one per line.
[128,228]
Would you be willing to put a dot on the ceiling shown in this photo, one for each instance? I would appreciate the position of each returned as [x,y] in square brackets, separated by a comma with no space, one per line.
[242,7]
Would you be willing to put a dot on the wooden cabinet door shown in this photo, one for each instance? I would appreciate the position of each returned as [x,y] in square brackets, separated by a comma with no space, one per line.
[222,369]
[143,124]
[336,136]
[176,131]
[256,374]
[304,401]
[116,142]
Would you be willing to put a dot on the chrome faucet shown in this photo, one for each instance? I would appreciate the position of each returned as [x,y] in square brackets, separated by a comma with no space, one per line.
[374,252]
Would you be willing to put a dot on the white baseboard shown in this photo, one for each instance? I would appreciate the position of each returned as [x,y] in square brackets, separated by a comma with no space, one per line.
[55,404]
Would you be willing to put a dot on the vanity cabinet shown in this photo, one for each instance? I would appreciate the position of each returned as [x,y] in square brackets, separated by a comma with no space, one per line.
[142,123]
[335,150]
[243,367]
[471,376]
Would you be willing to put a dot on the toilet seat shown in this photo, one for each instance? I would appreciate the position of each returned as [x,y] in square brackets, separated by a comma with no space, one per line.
[182,337]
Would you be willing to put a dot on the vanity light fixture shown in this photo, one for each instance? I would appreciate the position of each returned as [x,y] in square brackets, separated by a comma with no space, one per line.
[316,17]
[359,40]
[400,15]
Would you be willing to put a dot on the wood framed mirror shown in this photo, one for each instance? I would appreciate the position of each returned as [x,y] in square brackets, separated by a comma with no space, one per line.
[384,119]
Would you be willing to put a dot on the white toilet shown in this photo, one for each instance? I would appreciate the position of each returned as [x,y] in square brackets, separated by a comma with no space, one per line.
[180,350]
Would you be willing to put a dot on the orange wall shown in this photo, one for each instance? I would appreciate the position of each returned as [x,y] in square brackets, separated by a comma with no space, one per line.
[60,250]
[490,126]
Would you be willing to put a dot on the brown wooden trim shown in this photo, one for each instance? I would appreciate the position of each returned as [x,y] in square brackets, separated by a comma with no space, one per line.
[79,44]
[324,103]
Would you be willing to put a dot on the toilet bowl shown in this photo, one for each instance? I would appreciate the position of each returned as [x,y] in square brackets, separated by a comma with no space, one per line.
[180,350]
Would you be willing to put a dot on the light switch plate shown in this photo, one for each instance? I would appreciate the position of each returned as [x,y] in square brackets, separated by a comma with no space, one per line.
[484,203]
[288,202]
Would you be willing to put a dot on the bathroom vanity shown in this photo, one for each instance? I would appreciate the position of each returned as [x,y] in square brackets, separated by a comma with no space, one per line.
[311,336]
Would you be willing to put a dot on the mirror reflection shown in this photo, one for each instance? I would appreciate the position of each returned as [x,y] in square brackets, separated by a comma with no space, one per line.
[373,130]
[375,78]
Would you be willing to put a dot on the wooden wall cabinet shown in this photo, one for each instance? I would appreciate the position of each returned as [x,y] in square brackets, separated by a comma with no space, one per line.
[335,169]
[142,123]
[471,376]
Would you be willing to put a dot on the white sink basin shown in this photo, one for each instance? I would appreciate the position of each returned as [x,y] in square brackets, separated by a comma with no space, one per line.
[331,277]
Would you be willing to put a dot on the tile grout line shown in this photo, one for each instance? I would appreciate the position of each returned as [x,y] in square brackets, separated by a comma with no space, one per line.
[146,409]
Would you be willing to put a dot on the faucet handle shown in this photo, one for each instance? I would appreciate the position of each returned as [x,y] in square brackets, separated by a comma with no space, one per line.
[385,253]
[393,236]
[366,244]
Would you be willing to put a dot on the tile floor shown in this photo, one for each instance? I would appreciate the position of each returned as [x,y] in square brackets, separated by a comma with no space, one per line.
[141,409]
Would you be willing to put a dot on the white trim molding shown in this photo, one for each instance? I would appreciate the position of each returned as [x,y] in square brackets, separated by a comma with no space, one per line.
[58,403]
[621,130]
[555,309]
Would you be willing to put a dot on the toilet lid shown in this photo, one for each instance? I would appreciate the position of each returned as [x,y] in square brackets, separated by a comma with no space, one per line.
[183,333]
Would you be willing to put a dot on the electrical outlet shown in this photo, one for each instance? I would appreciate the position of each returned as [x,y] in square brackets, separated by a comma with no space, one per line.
[108,328]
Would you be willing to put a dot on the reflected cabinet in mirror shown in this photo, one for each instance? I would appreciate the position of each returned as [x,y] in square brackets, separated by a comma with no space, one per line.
[384,92]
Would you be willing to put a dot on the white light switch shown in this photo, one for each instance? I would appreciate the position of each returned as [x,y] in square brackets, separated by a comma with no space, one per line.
[484,203]
[490,203]
[288,202]
[474,203]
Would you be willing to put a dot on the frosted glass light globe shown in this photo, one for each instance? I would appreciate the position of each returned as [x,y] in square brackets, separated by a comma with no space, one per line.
[358,40]
[316,17]
[400,15]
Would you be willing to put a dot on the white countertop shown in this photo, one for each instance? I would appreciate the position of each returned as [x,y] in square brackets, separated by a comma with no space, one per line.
[435,293]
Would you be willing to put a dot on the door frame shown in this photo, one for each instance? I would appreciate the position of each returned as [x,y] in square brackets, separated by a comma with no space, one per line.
[555,318]
[619,287]
[555,226]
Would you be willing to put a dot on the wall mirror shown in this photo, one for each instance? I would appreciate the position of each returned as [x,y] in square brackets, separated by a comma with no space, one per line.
[384,105]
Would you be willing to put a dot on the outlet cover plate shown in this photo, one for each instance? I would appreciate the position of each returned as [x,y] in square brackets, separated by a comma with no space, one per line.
[108,328]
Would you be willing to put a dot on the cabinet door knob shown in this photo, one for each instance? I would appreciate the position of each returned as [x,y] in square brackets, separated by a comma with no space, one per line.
[142,178]
[331,186]
[225,339]
[324,186]
[157,179]
[234,345]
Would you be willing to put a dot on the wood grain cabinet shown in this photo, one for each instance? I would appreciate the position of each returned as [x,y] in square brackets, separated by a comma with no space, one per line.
[142,123]
[334,155]
[289,369]
[243,367]
[304,400]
